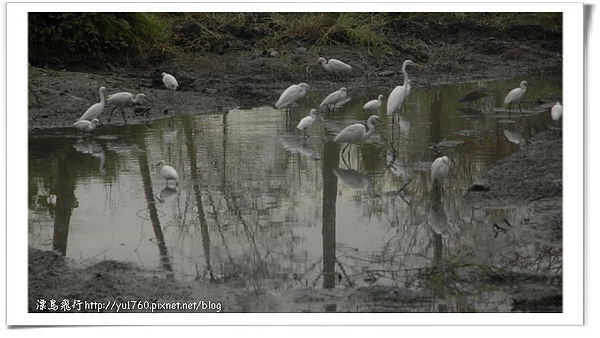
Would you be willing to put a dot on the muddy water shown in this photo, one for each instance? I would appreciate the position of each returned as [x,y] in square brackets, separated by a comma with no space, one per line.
[259,207]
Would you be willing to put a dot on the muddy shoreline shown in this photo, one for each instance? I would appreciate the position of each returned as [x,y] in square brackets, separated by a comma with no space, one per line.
[217,83]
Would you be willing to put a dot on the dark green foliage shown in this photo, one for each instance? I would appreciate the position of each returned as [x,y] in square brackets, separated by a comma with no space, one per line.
[62,34]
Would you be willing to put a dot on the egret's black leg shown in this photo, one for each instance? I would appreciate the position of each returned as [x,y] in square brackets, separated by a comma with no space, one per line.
[111,113]
[519,105]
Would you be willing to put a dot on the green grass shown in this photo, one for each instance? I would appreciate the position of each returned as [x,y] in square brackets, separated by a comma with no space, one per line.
[59,34]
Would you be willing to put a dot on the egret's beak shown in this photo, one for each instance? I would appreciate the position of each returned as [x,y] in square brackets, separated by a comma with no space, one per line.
[418,65]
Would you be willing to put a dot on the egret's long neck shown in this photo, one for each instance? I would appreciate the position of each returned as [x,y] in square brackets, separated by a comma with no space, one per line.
[371,128]
[406,80]
[524,88]
[102,97]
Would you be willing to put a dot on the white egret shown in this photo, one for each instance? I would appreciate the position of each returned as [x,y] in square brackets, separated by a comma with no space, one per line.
[168,172]
[96,109]
[170,82]
[439,171]
[123,99]
[373,105]
[334,98]
[291,95]
[557,111]
[86,125]
[334,65]
[307,121]
[356,132]
[515,96]
[400,93]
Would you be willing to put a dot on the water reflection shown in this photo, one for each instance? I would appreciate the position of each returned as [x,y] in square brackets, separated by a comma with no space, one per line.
[264,209]
[354,179]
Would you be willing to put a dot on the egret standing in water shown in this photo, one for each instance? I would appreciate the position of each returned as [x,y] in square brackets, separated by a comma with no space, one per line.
[334,98]
[557,111]
[170,82]
[86,125]
[356,132]
[400,93]
[373,105]
[307,121]
[123,99]
[515,96]
[439,172]
[334,65]
[95,110]
[291,95]
[168,172]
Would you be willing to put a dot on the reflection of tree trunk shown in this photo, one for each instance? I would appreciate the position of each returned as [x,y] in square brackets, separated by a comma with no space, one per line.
[147,181]
[330,162]
[435,116]
[191,148]
[65,196]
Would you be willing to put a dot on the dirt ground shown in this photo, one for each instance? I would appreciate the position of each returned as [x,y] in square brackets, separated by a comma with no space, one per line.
[245,77]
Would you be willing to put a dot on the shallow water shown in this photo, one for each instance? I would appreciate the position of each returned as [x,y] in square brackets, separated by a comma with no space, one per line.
[259,207]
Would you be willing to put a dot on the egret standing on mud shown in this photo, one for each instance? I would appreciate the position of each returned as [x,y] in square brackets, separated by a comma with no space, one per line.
[168,172]
[356,132]
[515,96]
[86,125]
[171,83]
[334,65]
[307,121]
[123,99]
[400,93]
[373,105]
[96,109]
[291,95]
[334,98]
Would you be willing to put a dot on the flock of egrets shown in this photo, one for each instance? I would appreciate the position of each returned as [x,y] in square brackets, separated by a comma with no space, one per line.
[349,135]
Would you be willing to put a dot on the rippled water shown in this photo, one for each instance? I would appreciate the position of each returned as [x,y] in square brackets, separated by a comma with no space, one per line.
[258,206]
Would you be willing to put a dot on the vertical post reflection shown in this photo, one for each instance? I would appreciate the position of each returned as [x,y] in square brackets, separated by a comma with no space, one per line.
[191,149]
[65,196]
[160,238]
[435,116]
[330,162]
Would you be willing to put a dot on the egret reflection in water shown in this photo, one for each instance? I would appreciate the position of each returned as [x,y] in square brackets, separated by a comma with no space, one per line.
[297,144]
[90,147]
[354,179]
[166,193]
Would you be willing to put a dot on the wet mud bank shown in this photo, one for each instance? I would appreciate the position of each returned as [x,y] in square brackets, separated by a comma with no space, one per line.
[531,177]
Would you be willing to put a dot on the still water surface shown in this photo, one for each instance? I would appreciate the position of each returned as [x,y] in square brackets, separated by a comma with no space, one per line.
[257,205]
